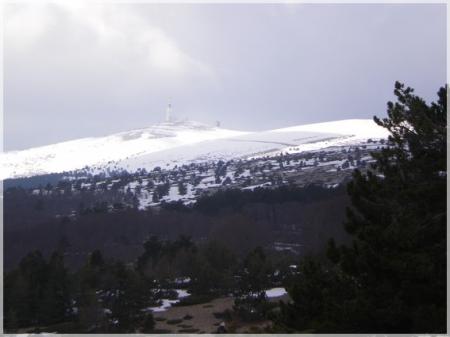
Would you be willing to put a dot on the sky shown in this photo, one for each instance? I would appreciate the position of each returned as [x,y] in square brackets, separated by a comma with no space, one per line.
[73,70]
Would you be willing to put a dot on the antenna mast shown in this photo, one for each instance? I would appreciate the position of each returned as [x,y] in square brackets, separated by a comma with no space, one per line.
[168,112]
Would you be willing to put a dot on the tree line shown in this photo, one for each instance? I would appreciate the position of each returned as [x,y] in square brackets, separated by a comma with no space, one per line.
[109,296]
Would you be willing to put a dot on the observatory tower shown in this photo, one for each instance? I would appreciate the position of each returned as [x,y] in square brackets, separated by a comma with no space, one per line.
[168,112]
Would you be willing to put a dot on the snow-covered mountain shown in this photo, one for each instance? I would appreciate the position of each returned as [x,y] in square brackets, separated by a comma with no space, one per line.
[177,143]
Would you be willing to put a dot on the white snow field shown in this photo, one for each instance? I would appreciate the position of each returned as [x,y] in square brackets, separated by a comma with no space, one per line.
[76,154]
[178,143]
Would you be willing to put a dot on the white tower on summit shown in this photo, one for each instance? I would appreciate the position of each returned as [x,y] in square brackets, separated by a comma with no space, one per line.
[168,112]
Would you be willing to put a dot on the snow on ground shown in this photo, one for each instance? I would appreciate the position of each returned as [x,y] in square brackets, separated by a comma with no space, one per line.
[182,280]
[166,303]
[275,292]
[258,144]
[207,182]
[350,131]
[174,194]
[170,144]
[79,153]
[359,128]
[245,174]
[256,186]
[245,146]
[145,199]
[182,293]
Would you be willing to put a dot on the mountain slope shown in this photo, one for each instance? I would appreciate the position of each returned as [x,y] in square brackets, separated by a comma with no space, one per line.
[76,154]
[170,144]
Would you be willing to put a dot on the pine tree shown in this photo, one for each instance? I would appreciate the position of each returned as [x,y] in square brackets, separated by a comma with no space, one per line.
[394,271]
[398,220]
[55,304]
[155,197]
[33,274]
[91,314]
[131,298]
[250,301]
[182,189]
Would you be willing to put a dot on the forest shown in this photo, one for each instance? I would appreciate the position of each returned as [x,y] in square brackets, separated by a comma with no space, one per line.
[242,220]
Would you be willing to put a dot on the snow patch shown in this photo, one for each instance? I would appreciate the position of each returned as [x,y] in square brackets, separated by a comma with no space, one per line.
[166,303]
[275,292]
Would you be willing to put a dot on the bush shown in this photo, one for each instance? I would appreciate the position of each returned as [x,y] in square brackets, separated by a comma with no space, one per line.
[225,315]
[194,299]
[161,331]
[191,330]
[149,324]
[174,321]
[250,308]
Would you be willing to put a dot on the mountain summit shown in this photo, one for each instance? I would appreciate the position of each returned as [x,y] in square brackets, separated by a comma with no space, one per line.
[178,142]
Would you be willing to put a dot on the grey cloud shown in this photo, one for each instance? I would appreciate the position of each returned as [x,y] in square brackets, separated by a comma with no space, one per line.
[73,72]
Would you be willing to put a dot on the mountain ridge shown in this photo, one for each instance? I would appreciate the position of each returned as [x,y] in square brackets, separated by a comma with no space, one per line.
[174,143]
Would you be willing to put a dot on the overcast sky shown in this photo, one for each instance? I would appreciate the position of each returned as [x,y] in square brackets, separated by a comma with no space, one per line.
[75,71]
